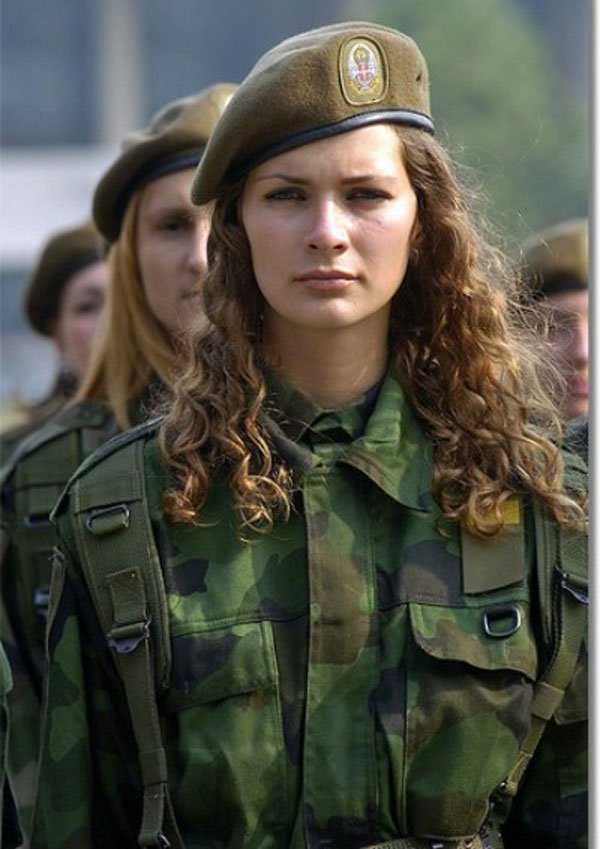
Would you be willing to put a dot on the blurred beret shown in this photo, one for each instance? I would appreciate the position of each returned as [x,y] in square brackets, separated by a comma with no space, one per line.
[311,86]
[66,253]
[173,141]
[556,259]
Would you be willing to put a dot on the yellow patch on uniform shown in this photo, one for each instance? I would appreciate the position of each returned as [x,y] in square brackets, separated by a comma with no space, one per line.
[511,510]
[363,72]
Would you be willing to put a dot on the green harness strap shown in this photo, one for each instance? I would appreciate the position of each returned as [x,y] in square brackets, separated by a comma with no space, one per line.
[124,577]
[563,566]
[562,590]
[40,467]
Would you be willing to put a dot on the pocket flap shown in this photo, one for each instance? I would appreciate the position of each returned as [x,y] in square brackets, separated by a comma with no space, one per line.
[451,633]
[224,662]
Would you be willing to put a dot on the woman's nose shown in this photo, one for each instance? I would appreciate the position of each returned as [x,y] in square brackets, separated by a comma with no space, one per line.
[328,228]
[197,256]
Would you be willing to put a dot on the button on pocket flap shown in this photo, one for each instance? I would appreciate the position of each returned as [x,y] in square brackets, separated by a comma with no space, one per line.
[225,662]
[463,634]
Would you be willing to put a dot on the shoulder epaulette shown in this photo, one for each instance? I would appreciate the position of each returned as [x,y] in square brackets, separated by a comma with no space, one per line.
[88,414]
[111,446]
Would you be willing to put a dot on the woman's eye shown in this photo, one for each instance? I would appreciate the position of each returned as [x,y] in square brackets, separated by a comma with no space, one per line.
[368,194]
[284,194]
[88,308]
[175,225]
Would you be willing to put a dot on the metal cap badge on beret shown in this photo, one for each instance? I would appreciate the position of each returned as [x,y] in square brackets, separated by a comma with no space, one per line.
[65,253]
[174,140]
[556,259]
[311,86]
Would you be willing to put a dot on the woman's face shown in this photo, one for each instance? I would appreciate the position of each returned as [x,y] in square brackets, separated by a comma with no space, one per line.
[171,245]
[80,306]
[329,226]
[569,332]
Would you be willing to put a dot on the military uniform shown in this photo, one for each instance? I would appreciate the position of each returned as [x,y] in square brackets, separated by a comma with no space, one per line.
[31,482]
[344,681]
[40,466]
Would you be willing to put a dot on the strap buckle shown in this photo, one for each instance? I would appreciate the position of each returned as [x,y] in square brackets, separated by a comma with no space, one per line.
[41,601]
[124,639]
[108,519]
[501,621]
[577,587]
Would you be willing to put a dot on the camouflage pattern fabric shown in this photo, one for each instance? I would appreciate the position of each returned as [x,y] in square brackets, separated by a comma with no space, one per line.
[32,480]
[332,685]
[577,436]
[5,687]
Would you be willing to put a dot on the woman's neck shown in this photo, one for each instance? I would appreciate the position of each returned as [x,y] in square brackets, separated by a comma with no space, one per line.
[331,368]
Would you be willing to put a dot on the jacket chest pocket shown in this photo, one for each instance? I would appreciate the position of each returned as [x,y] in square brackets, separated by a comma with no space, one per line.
[224,711]
[470,674]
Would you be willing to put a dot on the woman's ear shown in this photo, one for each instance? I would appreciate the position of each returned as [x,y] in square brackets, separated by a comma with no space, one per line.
[416,240]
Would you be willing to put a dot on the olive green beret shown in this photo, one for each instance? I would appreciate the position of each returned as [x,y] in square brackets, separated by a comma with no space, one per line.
[556,259]
[173,141]
[66,253]
[314,85]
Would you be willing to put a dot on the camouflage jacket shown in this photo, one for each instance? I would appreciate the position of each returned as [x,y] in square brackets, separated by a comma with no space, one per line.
[332,683]
[31,480]
[577,436]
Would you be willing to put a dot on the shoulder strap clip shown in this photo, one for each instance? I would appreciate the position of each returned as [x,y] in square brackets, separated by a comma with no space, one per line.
[126,638]
[108,519]
[577,586]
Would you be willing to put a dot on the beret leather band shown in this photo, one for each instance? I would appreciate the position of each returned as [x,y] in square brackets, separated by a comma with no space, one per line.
[556,259]
[160,168]
[560,283]
[403,117]
[70,269]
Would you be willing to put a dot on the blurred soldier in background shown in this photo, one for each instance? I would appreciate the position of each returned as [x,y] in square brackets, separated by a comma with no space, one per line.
[157,258]
[556,269]
[63,301]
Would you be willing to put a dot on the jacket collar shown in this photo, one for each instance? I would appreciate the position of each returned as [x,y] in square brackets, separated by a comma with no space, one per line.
[384,439]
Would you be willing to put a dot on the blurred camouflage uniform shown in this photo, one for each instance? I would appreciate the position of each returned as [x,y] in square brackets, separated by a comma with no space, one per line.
[5,687]
[341,682]
[40,467]
[30,484]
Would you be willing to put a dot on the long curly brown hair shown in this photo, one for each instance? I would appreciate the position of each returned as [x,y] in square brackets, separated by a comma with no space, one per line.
[460,344]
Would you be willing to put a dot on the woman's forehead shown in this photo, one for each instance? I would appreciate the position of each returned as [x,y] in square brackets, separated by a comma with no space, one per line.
[369,149]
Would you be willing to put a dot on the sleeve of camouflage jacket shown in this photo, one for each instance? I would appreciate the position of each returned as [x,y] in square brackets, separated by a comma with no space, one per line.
[72,808]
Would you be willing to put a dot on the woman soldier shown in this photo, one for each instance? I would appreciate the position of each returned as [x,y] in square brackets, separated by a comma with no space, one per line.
[63,302]
[317,599]
[157,257]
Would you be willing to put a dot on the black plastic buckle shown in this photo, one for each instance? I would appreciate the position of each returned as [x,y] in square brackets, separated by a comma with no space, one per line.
[108,519]
[41,601]
[573,585]
[502,611]
[37,520]
[126,638]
